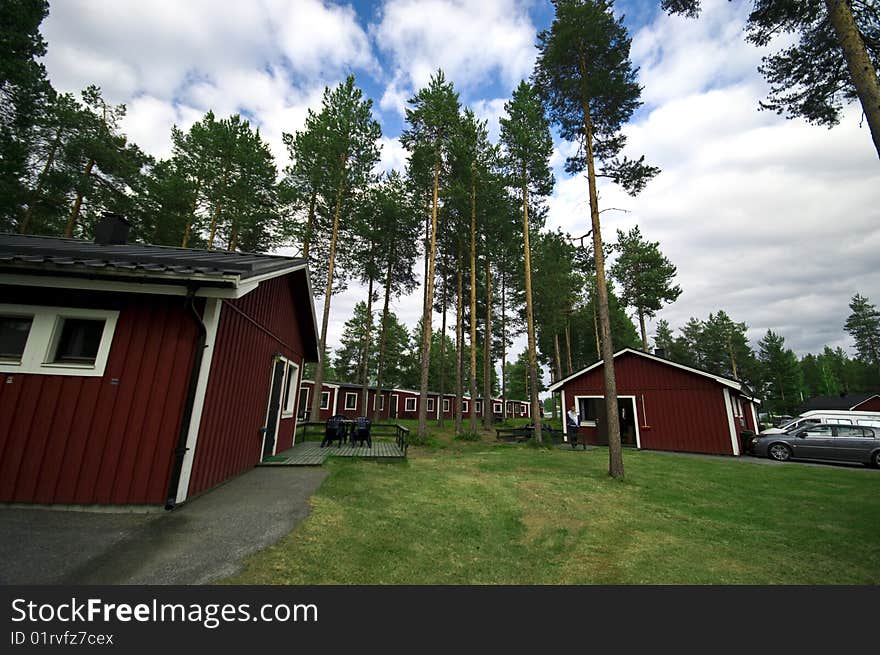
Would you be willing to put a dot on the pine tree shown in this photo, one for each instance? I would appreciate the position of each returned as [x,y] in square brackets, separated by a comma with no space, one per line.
[781,375]
[588,85]
[348,154]
[525,136]
[431,117]
[863,325]
[835,60]
[644,276]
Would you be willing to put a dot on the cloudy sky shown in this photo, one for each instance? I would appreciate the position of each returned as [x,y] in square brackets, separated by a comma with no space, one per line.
[776,222]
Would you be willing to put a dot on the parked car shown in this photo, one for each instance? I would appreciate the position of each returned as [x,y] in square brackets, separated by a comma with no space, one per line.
[839,417]
[825,441]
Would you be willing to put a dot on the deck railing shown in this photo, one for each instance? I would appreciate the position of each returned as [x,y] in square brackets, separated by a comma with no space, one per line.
[399,433]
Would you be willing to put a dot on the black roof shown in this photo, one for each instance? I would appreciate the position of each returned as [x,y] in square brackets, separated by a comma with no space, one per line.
[843,401]
[77,257]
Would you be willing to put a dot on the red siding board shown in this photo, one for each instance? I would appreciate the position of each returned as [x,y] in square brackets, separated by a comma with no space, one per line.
[252,330]
[69,439]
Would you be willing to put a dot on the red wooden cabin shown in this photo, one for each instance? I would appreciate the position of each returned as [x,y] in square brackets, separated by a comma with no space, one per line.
[144,375]
[662,405]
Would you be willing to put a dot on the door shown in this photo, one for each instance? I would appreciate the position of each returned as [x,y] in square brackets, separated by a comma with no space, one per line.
[853,444]
[601,423]
[393,413]
[815,442]
[274,413]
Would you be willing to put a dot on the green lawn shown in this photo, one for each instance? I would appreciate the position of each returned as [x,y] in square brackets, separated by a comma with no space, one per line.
[485,513]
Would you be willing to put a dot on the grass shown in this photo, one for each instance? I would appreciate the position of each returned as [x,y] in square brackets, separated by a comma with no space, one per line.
[461,512]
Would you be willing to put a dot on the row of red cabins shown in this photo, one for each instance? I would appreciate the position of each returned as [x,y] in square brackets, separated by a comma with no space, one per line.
[146,375]
[347,400]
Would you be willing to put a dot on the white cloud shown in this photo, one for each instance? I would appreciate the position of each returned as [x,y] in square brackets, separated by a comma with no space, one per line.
[394,155]
[474,42]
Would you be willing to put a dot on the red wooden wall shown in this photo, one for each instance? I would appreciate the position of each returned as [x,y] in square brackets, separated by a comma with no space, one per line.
[682,411]
[85,440]
[237,397]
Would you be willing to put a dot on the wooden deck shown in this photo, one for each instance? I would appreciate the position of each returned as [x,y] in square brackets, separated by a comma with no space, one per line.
[310,453]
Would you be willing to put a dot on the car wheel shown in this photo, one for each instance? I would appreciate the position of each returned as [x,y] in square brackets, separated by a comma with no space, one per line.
[875,460]
[780,452]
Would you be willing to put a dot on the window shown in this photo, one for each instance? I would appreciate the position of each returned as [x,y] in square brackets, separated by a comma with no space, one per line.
[823,431]
[289,399]
[445,405]
[464,406]
[409,405]
[381,402]
[843,420]
[496,407]
[588,410]
[14,331]
[303,402]
[430,404]
[852,432]
[325,400]
[351,400]
[55,340]
[479,407]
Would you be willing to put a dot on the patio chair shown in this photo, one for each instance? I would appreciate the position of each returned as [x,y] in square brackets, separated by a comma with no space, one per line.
[361,432]
[334,430]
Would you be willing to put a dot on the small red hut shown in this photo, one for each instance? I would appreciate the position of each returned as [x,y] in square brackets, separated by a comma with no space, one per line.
[144,375]
[662,405]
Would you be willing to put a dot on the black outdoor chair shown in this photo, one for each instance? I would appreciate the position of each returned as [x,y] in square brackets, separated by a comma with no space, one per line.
[335,430]
[361,432]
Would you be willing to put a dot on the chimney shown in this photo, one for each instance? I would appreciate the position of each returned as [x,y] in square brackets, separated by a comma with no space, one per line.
[112,230]
[660,352]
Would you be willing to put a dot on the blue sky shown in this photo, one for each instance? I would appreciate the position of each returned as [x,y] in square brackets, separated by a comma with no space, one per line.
[777,222]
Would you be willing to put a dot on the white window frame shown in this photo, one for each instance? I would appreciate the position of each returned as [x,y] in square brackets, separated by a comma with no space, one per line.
[305,402]
[464,406]
[406,403]
[446,405]
[479,407]
[381,398]
[325,394]
[430,404]
[351,394]
[496,408]
[43,339]
[290,384]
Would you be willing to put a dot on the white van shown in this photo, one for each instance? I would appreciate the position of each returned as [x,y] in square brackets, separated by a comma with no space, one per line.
[840,417]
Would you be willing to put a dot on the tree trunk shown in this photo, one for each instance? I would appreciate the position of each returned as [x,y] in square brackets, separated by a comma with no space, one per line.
[459,338]
[214,220]
[443,343]
[861,70]
[380,366]
[233,237]
[615,455]
[428,310]
[503,348]
[310,224]
[558,356]
[77,204]
[530,316]
[472,408]
[487,353]
[365,375]
[569,369]
[642,326]
[328,292]
[596,329]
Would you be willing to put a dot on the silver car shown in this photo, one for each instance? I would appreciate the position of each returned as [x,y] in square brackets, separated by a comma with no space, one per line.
[826,441]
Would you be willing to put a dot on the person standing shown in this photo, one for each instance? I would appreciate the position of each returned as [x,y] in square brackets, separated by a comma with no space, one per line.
[573,422]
